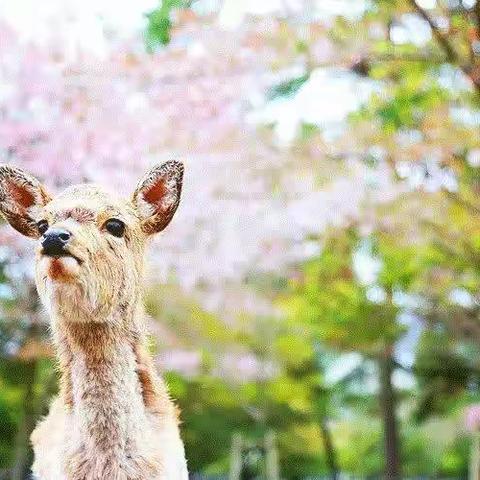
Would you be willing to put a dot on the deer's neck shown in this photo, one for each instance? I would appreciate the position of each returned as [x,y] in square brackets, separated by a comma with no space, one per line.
[112,394]
[105,389]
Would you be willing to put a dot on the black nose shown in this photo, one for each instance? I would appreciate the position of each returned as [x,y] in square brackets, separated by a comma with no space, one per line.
[54,241]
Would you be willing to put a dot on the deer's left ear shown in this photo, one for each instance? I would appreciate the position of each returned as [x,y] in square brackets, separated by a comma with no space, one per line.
[22,198]
[157,196]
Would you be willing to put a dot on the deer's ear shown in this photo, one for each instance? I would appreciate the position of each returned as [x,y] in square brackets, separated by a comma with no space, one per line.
[157,196]
[22,198]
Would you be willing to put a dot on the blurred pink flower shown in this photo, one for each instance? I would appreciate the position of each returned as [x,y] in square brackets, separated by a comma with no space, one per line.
[472,418]
[186,362]
[246,203]
[244,367]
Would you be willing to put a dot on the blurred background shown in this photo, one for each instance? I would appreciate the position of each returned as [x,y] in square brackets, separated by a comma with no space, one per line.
[314,305]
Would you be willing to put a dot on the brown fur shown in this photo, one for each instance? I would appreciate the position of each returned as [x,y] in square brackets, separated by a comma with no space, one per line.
[152,398]
[114,419]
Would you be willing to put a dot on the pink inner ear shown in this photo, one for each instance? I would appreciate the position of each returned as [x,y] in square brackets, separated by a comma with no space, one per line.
[21,195]
[155,193]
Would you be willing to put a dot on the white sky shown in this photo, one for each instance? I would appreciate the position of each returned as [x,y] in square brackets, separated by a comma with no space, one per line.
[34,18]
[31,16]
[81,24]
[325,100]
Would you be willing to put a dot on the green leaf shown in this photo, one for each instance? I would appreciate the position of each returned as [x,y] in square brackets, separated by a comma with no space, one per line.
[158,32]
[288,88]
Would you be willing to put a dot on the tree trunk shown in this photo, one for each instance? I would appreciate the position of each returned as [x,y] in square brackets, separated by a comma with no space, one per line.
[330,453]
[388,407]
[23,450]
[474,472]
[236,457]
[272,468]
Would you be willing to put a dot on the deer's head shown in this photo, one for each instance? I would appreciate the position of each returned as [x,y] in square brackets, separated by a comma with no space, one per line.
[90,244]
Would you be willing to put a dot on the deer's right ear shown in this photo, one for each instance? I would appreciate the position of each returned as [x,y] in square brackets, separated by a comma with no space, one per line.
[22,198]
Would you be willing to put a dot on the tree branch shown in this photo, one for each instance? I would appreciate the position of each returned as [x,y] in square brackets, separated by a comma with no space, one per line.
[476,12]
[447,47]
[455,197]
[441,38]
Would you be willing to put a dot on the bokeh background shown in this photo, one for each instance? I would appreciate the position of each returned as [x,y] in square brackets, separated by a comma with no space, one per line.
[314,305]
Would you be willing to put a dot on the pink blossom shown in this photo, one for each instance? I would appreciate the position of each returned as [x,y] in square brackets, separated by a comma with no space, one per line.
[472,418]
[185,362]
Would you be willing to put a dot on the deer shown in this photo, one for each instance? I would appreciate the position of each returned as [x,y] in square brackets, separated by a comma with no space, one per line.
[113,418]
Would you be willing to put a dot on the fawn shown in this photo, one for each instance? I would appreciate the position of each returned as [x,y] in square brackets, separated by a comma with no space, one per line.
[113,418]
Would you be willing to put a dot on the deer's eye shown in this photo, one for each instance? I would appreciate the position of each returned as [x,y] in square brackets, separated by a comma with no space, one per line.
[115,226]
[42,226]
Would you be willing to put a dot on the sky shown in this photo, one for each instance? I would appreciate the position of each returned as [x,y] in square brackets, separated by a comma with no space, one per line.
[32,17]
[90,17]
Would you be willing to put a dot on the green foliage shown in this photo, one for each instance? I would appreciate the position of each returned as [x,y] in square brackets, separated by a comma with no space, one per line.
[288,88]
[158,32]
[329,298]
[456,457]
[444,372]
[211,414]
[409,102]
[366,457]
[8,426]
